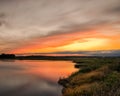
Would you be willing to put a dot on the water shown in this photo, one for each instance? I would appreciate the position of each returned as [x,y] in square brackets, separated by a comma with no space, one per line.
[32,78]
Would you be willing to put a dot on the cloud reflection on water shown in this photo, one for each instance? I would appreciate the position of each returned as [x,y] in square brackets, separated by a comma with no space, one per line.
[28,78]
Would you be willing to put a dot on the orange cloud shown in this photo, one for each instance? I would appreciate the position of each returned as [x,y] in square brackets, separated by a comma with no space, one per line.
[74,41]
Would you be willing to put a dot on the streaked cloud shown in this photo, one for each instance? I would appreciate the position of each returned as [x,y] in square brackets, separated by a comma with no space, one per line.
[24,21]
[76,41]
[110,53]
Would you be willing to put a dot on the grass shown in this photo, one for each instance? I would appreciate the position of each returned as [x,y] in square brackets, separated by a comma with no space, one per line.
[101,77]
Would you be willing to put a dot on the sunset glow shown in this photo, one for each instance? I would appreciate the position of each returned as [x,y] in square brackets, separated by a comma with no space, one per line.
[87,41]
[59,47]
[86,26]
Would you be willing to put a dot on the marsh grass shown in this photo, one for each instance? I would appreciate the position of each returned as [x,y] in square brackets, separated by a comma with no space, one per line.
[101,77]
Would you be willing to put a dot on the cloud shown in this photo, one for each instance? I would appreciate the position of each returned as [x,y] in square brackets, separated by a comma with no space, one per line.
[109,53]
[35,19]
[57,14]
[106,53]
[2,16]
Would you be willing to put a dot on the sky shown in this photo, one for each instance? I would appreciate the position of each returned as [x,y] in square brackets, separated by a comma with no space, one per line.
[60,26]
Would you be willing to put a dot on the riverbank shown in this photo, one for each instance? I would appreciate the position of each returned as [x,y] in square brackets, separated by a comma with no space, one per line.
[99,77]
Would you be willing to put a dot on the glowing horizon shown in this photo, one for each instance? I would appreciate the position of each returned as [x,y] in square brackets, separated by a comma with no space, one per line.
[86,26]
[88,41]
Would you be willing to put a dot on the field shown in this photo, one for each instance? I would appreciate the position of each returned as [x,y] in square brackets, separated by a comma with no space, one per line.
[95,77]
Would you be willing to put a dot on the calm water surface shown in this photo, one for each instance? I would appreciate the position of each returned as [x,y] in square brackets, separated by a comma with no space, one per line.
[32,78]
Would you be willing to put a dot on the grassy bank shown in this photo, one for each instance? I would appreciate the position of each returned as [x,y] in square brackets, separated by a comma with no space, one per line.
[99,77]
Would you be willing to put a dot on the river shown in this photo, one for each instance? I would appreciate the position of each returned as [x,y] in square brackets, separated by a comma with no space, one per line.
[33,77]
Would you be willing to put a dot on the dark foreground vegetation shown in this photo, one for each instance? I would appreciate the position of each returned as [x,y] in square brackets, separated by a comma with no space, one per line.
[95,77]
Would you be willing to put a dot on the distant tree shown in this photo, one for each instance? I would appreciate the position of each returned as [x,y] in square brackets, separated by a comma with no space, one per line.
[7,56]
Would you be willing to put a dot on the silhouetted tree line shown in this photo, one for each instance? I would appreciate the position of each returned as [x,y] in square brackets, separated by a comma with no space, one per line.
[7,56]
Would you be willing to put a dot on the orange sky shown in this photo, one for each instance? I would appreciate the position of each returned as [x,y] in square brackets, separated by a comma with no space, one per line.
[53,26]
[75,41]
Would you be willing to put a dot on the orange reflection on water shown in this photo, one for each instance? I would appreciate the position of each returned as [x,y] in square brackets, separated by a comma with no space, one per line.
[51,70]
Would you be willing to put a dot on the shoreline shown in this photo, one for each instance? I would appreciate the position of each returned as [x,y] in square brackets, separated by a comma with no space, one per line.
[99,77]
